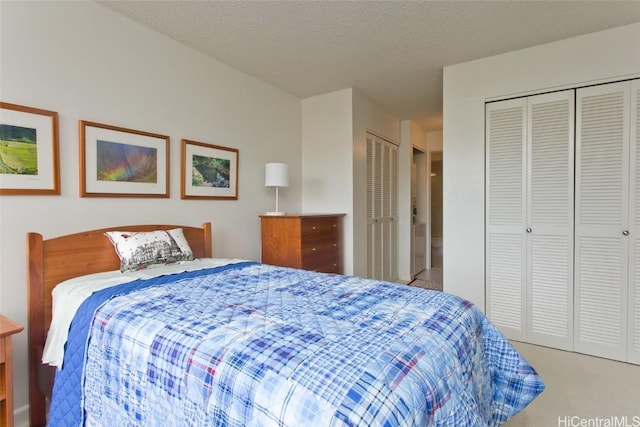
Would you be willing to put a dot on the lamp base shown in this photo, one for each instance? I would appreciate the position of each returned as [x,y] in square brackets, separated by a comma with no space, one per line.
[275,213]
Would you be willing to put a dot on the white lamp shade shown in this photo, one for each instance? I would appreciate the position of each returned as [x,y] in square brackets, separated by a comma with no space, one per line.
[276,175]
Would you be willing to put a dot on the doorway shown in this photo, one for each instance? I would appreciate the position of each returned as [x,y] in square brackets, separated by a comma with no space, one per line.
[419,213]
[436,209]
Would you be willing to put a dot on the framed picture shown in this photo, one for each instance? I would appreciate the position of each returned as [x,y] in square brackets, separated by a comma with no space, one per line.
[208,171]
[29,152]
[119,162]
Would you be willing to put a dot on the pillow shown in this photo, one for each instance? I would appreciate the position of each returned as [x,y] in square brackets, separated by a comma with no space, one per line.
[178,236]
[138,250]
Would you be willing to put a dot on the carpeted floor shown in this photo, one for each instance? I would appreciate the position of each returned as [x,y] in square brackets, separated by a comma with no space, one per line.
[426,284]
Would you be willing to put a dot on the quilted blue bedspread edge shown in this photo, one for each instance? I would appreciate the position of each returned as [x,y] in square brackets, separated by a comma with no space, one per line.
[66,400]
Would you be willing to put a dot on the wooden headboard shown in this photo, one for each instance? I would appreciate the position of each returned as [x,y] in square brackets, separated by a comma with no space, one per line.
[52,261]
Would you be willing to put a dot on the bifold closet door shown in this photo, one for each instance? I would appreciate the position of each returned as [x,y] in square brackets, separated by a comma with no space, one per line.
[633,351]
[375,247]
[550,206]
[604,226]
[506,124]
[382,209]
[530,172]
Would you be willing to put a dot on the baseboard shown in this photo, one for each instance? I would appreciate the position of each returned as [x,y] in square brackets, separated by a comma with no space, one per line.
[21,416]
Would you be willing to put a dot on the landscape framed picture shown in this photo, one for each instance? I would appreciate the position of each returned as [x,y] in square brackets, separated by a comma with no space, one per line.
[29,152]
[119,162]
[208,171]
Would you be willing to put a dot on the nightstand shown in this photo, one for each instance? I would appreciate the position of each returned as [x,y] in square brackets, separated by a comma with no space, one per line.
[7,329]
[308,242]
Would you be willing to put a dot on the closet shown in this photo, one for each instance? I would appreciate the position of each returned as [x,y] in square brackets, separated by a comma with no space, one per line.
[607,285]
[561,215]
[530,217]
[382,209]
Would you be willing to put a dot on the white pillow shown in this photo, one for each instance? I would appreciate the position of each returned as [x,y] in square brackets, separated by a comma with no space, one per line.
[139,250]
[181,241]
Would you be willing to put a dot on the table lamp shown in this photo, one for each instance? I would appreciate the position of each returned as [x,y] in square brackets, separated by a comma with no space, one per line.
[276,175]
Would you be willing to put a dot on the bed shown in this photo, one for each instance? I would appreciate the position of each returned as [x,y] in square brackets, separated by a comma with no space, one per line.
[234,342]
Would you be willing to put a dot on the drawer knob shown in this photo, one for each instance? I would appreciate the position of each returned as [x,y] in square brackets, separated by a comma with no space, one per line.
[313,228]
[334,225]
[335,244]
[313,249]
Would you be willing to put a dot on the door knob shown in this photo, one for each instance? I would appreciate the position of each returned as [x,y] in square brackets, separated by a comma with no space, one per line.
[625,233]
[529,230]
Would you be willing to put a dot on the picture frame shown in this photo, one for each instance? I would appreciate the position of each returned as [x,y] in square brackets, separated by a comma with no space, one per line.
[121,162]
[29,151]
[208,171]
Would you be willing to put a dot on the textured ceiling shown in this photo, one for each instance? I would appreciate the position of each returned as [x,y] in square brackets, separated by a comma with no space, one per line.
[393,51]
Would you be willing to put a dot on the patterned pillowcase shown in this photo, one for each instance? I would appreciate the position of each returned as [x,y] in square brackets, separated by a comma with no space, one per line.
[142,249]
[178,236]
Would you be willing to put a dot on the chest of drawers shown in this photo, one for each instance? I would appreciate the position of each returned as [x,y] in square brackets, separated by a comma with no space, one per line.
[7,329]
[309,242]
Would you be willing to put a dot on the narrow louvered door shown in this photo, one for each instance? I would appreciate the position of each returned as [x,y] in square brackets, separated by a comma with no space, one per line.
[391,213]
[602,220]
[550,166]
[385,204]
[382,209]
[633,350]
[374,225]
[505,214]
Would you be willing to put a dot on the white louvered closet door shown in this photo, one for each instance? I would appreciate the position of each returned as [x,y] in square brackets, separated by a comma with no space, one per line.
[602,220]
[633,351]
[390,212]
[530,172]
[374,209]
[382,209]
[550,183]
[506,217]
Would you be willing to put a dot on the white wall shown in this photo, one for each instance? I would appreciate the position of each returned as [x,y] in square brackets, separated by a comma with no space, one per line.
[367,116]
[592,58]
[327,164]
[434,140]
[334,127]
[405,159]
[85,62]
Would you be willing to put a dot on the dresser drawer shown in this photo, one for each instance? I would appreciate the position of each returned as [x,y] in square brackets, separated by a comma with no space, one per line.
[318,242]
[314,227]
[324,249]
[326,261]
[328,267]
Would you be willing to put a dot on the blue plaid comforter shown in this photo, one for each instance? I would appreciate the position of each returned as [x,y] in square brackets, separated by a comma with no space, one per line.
[257,345]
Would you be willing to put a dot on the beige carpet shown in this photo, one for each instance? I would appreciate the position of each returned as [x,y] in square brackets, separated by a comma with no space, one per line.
[581,390]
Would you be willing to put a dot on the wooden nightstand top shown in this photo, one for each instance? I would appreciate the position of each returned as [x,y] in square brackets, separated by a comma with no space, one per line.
[8,327]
